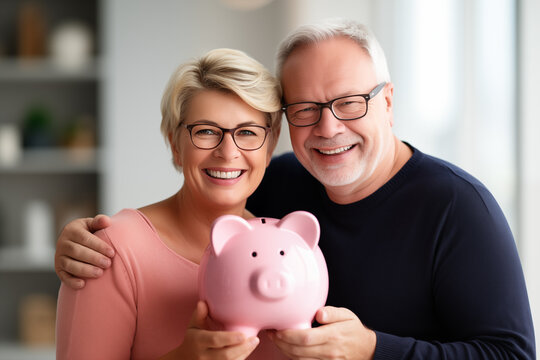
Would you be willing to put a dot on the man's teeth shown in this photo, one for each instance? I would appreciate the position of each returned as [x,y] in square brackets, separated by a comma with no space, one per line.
[224,174]
[335,151]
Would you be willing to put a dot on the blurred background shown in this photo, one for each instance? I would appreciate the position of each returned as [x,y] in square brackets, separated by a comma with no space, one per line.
[80,90]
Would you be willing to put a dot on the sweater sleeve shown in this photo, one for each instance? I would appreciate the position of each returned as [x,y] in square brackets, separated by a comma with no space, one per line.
[99,321]
[478,286]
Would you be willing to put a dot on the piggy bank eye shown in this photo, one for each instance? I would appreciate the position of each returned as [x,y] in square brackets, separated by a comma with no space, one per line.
[282,253]
[254,254]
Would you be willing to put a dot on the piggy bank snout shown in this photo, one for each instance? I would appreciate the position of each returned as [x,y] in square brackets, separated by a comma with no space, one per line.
[271,284]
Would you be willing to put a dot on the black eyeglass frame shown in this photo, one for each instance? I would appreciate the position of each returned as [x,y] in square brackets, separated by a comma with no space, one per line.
[329,104]
[190,127]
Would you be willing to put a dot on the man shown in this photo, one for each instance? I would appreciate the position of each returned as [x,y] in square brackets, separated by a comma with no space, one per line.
[422,263]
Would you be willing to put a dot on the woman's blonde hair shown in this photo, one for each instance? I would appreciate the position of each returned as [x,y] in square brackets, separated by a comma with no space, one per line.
[225,70]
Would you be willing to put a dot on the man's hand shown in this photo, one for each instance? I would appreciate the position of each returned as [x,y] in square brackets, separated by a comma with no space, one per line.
[341,336]
[79,253]
[201,343]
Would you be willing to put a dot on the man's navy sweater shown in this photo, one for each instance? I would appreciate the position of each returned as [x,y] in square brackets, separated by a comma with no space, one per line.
[427,261]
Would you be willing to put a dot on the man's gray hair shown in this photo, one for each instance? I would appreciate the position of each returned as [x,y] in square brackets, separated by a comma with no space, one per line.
[330,28]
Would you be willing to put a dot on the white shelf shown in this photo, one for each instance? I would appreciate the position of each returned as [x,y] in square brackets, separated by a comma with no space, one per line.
[13,351]
[53,160]
[20,259]
[44,69]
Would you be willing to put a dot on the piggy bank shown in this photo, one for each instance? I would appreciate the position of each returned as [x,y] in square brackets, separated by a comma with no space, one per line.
[264,273]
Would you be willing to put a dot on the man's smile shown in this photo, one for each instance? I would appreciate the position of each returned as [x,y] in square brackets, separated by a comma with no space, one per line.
[335,151]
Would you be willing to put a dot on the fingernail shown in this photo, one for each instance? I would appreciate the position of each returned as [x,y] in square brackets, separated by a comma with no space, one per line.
[98,272]
[323,315]
[105,262]
[110,253]
[254,341]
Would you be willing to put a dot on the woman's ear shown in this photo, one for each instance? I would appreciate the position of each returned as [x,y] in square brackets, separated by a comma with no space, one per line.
[174,149]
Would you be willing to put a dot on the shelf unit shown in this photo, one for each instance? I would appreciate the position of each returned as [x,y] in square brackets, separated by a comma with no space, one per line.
[61,176]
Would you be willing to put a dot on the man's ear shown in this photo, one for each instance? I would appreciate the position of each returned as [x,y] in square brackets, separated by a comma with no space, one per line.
[388,92]
[389,96]
[174,149]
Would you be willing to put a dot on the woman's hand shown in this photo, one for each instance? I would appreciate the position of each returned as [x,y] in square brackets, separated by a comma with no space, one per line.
[341,336]
[79,253]
[201,343]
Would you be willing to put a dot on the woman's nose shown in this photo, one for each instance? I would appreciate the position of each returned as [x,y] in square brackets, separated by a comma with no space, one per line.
[227,149]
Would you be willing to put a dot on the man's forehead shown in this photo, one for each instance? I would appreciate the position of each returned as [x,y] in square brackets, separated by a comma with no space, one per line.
[318,73]
[333,52]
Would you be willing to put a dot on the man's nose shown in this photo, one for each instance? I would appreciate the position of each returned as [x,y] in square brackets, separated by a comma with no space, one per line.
[328,126]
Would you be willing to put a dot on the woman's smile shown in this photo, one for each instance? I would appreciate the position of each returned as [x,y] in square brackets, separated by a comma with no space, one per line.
[224,174]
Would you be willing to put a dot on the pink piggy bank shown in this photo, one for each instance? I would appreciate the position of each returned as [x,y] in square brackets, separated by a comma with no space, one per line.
[264,273]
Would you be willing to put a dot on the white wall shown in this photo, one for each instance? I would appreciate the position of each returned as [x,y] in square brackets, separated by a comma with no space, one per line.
[144,42]
[530,152]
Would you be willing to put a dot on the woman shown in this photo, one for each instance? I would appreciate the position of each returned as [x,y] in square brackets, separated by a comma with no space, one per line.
[221,118]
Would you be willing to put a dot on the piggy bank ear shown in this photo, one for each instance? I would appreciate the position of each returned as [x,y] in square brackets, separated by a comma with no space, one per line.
[304,224]
[224,228]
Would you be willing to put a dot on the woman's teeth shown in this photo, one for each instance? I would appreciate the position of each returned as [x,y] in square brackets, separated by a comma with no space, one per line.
[224,174]
[335,151]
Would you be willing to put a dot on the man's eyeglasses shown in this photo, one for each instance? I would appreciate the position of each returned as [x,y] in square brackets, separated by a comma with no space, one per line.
[351,107]
[207,137]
